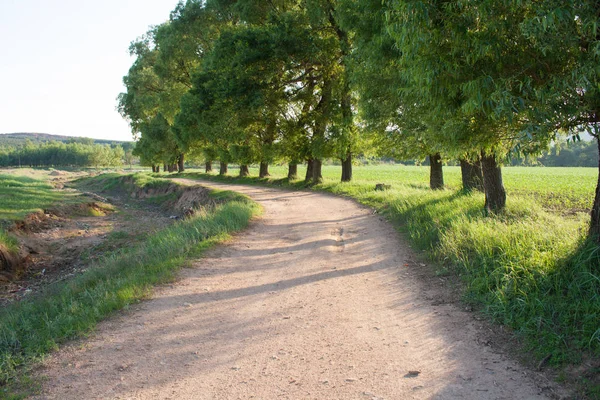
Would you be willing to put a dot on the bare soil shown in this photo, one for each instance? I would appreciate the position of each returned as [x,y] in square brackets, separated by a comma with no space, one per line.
[319,299]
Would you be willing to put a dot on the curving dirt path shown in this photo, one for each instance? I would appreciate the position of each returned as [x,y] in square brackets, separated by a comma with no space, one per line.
[316,300]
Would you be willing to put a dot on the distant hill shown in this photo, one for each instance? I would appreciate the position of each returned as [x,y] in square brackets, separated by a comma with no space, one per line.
[15,139]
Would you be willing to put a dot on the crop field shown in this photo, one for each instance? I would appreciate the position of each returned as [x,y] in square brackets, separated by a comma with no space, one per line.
[554,188]
[23,195]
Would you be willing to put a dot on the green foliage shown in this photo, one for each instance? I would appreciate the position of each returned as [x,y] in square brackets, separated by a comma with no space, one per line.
[12,140]
[77,153]
[34,327]
[573,154]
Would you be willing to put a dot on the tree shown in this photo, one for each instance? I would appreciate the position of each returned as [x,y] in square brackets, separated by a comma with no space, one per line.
[399,125]
[516,71]
[152,100]
[563,88]
[459,58]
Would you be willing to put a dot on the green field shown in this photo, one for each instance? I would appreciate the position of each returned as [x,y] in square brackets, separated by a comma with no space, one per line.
[23,195]
[554,188]
[530,268]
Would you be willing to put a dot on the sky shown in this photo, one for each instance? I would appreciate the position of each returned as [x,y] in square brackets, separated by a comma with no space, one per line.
[62,63]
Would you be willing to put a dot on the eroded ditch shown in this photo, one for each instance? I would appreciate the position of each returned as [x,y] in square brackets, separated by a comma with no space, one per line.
[65,240]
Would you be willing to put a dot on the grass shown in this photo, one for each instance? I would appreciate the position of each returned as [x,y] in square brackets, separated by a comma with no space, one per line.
[22,195]
[32,328]
[556,189]
[8,242]
[115,182]
[530,268]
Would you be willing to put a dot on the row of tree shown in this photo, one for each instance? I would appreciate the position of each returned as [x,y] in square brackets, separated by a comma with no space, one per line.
[60,154]
[253,81]
[573,154]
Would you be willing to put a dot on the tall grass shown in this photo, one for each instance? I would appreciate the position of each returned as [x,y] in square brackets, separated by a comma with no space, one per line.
[531,268]
[31,328]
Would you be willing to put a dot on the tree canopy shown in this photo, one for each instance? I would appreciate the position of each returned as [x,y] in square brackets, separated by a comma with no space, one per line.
[305,80]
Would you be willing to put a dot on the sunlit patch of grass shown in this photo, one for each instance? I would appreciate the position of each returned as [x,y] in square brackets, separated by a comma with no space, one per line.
[554,188]
[22,195]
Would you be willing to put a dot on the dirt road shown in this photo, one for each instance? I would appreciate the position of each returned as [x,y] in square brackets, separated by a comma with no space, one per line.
[316,300]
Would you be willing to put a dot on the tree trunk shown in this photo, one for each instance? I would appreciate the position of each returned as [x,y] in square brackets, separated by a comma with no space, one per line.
[180,160]
[244,171]
[208,166]
[153,168]
[495,195]
[292,171]
[346,96]
[309,170]
[595,223]
[472,176]
[318,138]
[317,176]
[264,170]
[223,168]
[436,172]
[347,168]
[165,168]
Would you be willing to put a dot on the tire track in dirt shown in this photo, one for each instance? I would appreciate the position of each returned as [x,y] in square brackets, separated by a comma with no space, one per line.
[316,300]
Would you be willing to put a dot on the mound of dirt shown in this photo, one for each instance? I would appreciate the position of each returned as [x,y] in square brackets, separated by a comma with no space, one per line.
[57,173]
[92,208]
[10,264]
[146,192]
[192,198]
[185,198]
[38,222]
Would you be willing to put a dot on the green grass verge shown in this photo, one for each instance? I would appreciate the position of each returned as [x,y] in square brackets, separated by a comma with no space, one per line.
[531,268]
[32,328]
[22,195]
[115,182]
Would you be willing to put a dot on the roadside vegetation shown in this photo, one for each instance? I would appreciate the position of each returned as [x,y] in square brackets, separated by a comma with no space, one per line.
[35,326]
[22,195]
[531,268]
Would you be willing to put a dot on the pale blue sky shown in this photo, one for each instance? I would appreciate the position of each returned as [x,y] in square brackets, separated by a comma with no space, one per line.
[62,63]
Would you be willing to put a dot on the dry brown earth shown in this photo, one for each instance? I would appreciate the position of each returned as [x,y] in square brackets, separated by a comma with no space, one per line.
[319,299]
